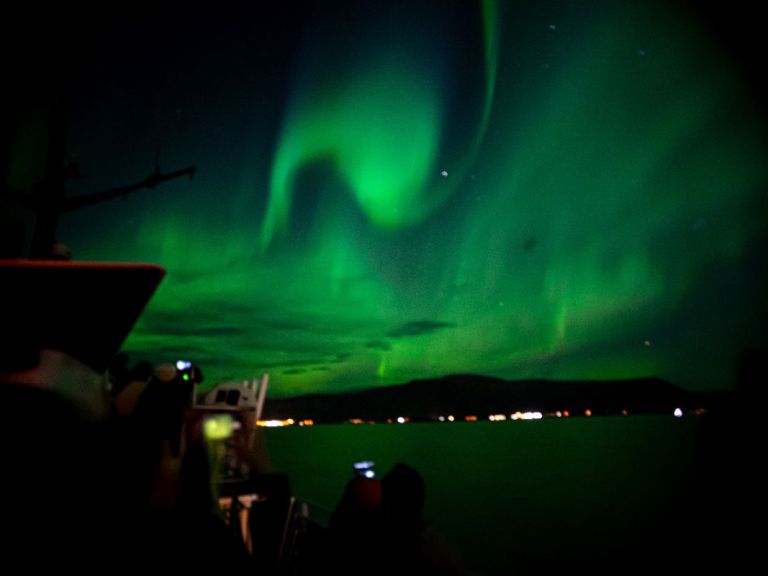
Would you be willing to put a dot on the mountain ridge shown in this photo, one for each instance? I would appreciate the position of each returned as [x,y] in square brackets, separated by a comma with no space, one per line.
[462,395]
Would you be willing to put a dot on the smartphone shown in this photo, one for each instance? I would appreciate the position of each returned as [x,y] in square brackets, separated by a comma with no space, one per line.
[364,469]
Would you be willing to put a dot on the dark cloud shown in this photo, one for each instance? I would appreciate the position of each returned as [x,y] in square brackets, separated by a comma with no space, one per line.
[312,361]
[286,325]
[186,322]
[418,328]
[199,353]
[214,331]
[383,345]
[294,371]
[285,363]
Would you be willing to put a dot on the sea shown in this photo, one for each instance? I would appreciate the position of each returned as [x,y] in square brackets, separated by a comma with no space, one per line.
[513,496]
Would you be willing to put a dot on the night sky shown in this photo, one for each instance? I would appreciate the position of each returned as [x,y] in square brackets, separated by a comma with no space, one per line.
[397,190]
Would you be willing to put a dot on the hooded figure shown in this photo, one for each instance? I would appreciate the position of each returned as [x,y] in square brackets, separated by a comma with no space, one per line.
[61,323]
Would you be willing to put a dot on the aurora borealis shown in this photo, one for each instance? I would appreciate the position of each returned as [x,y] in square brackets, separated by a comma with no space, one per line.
[387,193]
[378,121]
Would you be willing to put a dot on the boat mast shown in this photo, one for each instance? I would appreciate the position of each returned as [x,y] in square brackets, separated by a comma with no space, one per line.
[48,200]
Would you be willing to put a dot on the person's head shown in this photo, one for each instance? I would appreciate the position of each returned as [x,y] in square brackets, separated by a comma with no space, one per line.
[63,323]
[403,493]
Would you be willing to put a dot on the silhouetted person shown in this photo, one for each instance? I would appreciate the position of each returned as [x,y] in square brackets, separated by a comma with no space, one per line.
[728,479]
[403,496]
[82,490]
[378,528]
[170,506]
[118,373]
[59,485]
[410,544]
[355,529]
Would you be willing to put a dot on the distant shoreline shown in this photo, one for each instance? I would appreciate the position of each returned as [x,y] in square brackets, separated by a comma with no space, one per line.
[472,397]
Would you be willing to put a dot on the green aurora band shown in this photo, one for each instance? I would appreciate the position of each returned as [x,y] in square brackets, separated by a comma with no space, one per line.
[378,122]
[603,213]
